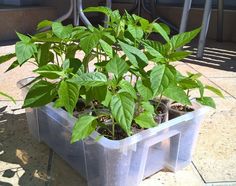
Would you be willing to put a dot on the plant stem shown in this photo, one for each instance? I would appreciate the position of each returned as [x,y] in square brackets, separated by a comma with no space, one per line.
[113,128]
[185,106]
[57,60]
[131,78]
[158,103]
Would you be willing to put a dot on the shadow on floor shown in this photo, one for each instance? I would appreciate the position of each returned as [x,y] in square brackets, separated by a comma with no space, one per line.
[23,161]
[214,57]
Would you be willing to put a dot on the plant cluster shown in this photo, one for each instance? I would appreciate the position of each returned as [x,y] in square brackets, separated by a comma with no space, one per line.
[113,73]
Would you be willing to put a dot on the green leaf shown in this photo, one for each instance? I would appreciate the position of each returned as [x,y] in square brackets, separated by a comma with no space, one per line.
[87,58]
[40,94]
[71,51]
[143,22]
[200,87]
[160,77]
[159,29]
[44,56]
[147,106]
[117,66]
[187,83]
[101,9]
[157,56]
[182,39]
[107,99]
[91,79]
[165,27]
[145,120]
[144,91]
[134,53]
[97,93]
[44,24]
[23,38]
[122,108]
[176,56]
[68,93]
[61,31]
[49,71]
[177,94]
[135,31]
[89,42]
[6,57]
[47,37]
[13,65]
[72,63]
[106,48]
[7,96]
[162,49]
[24,51]
[83,127]
[214,90]
[194,76]
[208,101]
[127,87]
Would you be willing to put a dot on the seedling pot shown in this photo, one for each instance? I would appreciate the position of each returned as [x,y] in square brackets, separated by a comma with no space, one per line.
[173,113]
[117,162]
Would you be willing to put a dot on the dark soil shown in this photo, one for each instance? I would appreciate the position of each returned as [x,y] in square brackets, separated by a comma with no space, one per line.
[182,108]
[119,132]
[136,128]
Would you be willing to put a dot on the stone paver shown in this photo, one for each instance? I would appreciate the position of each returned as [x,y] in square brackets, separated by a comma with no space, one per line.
[215,155]
[187,176]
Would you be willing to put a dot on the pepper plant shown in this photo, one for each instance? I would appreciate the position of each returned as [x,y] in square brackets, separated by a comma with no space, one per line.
[111,70]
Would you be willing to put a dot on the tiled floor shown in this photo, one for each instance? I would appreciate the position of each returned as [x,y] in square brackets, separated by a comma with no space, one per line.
[23,161]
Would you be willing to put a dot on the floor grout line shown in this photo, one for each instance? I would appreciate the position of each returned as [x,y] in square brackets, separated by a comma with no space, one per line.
[198,172]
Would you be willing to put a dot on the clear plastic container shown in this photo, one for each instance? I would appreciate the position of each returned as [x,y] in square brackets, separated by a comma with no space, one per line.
[122,162]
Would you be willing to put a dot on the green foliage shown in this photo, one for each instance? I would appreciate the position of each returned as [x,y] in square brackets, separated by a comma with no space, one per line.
[40,94]
[127,87]
[49,71]
[208,101]
[83,127]
[161,76]
[24,51]
[182,39]
[110,72]
[91,79]
[122,108]
[6,58]
[117,66]
[145,120]
[176,93]
[134,55]
[144,90]
[7,96]
[44,24]
[62,32]
[68,93]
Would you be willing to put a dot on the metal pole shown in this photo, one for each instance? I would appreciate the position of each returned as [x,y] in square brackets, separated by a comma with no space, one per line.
[220,21]
[205,25]
[81,13]
[108,4]
[76,16]
[68,14]
[184,19]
